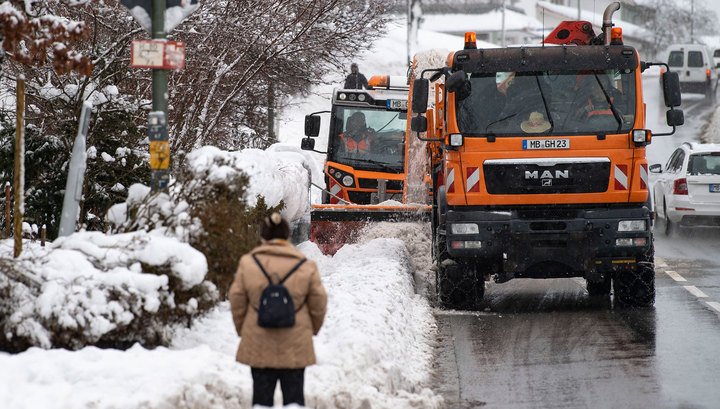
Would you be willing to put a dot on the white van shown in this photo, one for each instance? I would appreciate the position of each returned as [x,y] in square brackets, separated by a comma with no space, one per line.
[694,63]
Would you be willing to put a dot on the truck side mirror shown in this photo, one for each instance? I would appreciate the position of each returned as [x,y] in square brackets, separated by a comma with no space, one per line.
[671,89]
[421,88]
[458,84]
[656,168]
[418,124]
[675,117]
[307,144]
[312,125]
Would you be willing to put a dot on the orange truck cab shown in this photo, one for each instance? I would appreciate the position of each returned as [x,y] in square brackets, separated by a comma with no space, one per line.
[365,161]
[537,157]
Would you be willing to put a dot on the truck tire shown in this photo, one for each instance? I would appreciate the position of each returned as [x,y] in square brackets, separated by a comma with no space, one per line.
[458,285]
[599,288]
[637,288]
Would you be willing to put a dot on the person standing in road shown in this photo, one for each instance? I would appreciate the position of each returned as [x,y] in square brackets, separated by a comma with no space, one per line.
[355,80]
[277,354]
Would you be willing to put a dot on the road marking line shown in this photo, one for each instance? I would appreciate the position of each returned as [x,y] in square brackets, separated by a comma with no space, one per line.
[714,305]
[659,262]
[675,276]
[695,291]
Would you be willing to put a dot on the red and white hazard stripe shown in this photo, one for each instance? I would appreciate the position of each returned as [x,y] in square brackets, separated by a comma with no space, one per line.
[450,181]
[473,179]
[643,176]
[621,177]
[335,190]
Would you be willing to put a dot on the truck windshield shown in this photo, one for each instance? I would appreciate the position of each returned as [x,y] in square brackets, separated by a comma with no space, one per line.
[369,139]
[548,103]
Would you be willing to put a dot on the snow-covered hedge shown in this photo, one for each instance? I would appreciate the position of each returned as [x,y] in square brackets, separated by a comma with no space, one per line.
[96,289]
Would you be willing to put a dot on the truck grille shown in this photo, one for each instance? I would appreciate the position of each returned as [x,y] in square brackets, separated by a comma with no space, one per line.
[546,176]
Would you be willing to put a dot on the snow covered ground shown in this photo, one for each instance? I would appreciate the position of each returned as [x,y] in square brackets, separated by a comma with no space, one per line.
[375,350]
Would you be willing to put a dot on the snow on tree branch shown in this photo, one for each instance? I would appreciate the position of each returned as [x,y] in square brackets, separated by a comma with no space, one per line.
[31,35]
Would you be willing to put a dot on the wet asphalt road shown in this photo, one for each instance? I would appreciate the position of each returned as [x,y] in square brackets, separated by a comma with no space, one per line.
[547,344]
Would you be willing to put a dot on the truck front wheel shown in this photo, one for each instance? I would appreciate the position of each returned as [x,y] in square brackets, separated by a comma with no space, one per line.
[637,287]
[458,284]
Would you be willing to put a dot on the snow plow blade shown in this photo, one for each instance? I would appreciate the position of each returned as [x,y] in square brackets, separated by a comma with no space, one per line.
[332,226]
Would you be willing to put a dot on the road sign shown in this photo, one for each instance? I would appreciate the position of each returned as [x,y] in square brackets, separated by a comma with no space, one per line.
[176,12]
[159,155]
[159,54]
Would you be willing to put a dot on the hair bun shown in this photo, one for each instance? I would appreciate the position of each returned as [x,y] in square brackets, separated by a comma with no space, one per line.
[276,218]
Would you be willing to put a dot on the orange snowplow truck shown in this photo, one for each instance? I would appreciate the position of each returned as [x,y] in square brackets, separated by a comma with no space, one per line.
[537,161]
[366,162]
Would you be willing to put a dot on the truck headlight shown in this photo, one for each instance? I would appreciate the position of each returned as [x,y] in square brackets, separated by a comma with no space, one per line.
[456,139]
[347,180]
[464,228]
[632,225]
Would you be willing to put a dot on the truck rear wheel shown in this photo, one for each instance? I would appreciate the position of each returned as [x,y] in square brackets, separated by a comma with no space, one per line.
[637,287]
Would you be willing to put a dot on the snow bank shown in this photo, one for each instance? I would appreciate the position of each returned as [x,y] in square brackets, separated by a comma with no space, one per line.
[711,133]
[374,351]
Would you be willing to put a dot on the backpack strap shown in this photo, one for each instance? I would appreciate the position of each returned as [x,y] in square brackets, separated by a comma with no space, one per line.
[292,270]
[262,269]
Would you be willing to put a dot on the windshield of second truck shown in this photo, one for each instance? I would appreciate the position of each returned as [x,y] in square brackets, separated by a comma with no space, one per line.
[370,139]
[548,103]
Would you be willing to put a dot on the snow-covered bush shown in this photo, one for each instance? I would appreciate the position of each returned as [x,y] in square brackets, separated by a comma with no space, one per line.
[96,289]
[209,206]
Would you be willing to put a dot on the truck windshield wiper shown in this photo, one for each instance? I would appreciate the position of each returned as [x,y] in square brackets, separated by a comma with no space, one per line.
[545,104]
[499,120]
[614,110]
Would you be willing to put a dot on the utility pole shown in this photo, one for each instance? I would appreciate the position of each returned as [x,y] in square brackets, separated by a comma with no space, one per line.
[19,173]
[692,21]
[502,30]
[579,8]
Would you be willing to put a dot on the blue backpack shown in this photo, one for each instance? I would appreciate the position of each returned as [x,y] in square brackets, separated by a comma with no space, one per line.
[276,308]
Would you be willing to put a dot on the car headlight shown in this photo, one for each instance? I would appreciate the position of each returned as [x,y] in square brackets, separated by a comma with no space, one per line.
[632,225]
[464,228]
[347,180]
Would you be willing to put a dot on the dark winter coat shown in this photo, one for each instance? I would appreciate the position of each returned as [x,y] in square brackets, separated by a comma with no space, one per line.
[277,347]
[356,81]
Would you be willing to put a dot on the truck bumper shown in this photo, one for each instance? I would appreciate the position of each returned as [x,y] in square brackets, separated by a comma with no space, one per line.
[549,243]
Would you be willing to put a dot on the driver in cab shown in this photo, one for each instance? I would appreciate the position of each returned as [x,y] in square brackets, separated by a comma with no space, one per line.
[357,136]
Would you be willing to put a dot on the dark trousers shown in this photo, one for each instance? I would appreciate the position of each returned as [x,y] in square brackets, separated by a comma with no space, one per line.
[291,384]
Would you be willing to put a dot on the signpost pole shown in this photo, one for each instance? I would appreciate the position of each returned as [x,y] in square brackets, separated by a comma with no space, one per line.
[19,173]
[159,76]
[159,146]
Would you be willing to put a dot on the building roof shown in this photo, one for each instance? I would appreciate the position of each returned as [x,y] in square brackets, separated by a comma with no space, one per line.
[488,22]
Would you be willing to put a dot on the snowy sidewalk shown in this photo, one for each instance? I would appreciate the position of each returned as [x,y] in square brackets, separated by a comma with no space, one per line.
[375,351]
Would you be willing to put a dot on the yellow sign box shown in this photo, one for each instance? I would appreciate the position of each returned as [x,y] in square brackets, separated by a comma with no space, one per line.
[159,155]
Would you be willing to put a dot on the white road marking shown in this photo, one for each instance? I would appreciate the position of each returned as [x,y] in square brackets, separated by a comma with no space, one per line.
[695,291]
[675,276]
[659,262]
[714,305]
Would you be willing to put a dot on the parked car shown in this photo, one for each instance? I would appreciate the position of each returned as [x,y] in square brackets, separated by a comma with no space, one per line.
[696,67]
[687,190]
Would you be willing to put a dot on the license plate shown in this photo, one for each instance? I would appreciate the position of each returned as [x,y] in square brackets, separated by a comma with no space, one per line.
[397,104]
[546,144]
[715,188]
